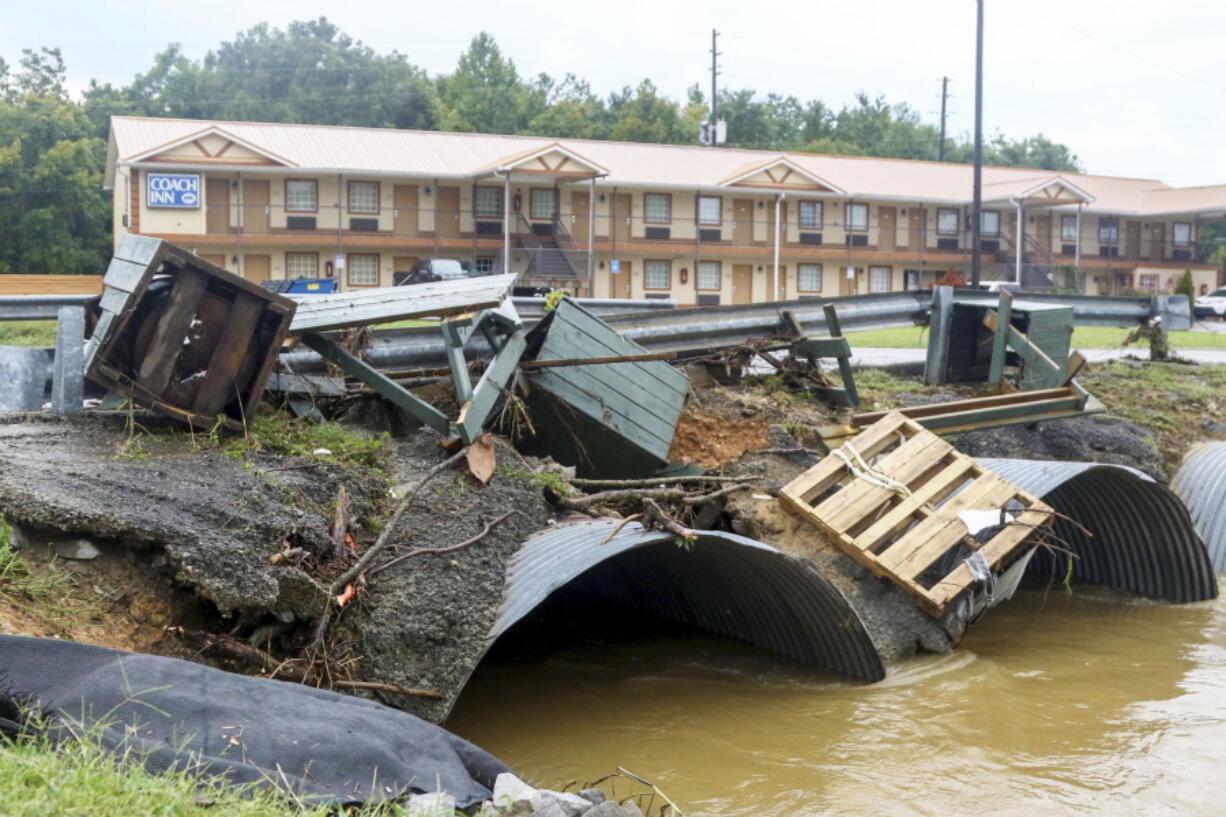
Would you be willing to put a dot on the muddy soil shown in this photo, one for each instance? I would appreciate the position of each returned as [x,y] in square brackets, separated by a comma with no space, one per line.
[123,599]
[423,622]
[1098,438]
[219,520]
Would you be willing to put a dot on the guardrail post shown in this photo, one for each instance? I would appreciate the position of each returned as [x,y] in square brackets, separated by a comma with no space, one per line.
[68,377]
[940,321]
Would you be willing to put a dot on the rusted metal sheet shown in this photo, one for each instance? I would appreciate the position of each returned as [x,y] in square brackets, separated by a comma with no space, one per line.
[318,313]
[1201,483]
[183,336]
[606,419]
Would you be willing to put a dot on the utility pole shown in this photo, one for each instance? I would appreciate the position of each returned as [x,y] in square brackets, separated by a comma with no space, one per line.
[977,203]
[714,74]
[944,96]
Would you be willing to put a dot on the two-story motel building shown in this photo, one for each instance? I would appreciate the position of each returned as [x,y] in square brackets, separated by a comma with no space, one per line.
[628,220]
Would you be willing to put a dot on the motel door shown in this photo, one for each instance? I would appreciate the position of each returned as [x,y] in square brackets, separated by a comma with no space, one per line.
[257,268]
[887,228]
[579,215]
[915,228]
[620,284]
[217,205]
[742,283]
[255,207]
[742,221]
[447,214]
[621,219]
[404,212]
[1132,239]
[1157,241]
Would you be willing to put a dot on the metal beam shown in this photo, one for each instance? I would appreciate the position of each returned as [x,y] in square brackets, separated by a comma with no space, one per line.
[385,386]
[68,380]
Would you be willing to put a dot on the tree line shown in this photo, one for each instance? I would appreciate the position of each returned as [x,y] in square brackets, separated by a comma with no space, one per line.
[56,218]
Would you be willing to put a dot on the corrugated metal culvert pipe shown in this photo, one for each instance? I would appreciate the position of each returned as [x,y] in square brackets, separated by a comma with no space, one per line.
[1201,484]
[725,584]
[1142,538]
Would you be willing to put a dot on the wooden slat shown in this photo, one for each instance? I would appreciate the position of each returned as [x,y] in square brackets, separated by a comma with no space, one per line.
[158,365]
[830,470]
[974,403]
[235,342]
[993,552]
[931,538]
[934,490]
[903,464]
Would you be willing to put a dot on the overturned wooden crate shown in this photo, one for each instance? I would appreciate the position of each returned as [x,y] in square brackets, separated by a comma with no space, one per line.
[614,416]
[898,498]
[183,336]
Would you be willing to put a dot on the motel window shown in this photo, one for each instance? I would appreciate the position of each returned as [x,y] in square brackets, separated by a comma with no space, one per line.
[857,217]
[657,275]
[811,214]
[363,270]
[708,275]
[710,210]
[301,265]
[947,221]
[1068,228]
[1108,230]
[657,207]
[484,264]
[809,278]
[302,195]
[544,203]
[879,278]
[363,197]
[990,222]
[1149,283]
[1181,233]
[487,202]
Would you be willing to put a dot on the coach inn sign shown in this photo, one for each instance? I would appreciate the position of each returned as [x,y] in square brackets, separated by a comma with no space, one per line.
[179,190]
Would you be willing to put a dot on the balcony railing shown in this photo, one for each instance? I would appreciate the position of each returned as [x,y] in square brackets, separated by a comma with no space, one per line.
[448,231]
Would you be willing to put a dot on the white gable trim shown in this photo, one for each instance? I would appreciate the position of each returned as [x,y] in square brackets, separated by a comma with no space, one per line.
[211,131]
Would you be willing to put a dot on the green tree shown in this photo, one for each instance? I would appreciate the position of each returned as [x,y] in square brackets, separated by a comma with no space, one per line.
[642,115]
[485,93]
[571,110]
[55,214]
[1186,286]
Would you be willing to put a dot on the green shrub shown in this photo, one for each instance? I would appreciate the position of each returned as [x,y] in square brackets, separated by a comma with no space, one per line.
[1186,286]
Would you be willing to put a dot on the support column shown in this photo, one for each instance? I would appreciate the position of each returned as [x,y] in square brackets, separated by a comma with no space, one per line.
[1018,238]
[772,296]
[506,222]
[1077,253]
[591,239]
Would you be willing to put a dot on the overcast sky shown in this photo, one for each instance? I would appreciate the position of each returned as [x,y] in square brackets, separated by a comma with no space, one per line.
[1133,88]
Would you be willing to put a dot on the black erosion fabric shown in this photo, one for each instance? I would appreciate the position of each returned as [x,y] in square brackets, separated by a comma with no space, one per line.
[317,744]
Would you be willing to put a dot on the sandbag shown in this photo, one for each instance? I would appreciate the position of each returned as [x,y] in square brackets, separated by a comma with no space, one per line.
[319,745]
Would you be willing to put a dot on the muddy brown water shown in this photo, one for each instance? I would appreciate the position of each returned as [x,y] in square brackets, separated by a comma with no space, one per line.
[1054,704]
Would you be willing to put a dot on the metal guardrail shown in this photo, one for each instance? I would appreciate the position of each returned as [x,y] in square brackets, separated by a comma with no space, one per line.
[695,330]
[38,307]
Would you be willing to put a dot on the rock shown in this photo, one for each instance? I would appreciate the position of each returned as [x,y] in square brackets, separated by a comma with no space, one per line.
[81,550]
[595,796]
[19,537]
[510,791]
[611,809]
[567,805]
[1213,426]
[435,804]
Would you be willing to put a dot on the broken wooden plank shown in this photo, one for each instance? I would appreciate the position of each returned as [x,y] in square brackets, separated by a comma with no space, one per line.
[157,367]
[218,387]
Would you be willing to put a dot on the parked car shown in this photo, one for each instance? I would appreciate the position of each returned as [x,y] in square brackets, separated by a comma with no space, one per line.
[427,270]
[1212,305]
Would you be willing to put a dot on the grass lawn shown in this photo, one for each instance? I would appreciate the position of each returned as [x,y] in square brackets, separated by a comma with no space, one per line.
[37,779]
[27,333]
[1084,337]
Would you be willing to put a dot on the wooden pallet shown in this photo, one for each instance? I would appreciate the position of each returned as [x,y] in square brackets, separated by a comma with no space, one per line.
[900,536]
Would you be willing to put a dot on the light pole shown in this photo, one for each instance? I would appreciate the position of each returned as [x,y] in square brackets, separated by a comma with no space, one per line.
[977,201]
